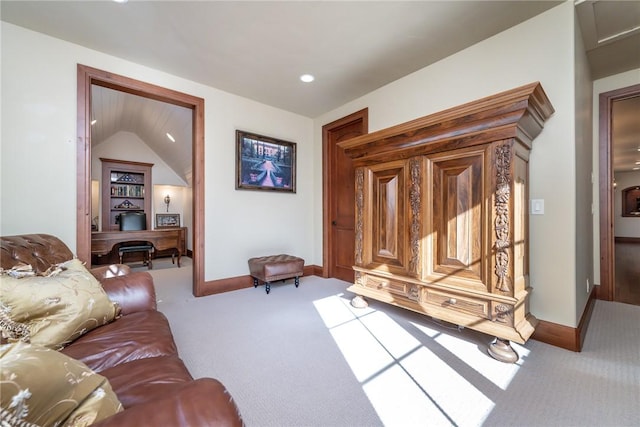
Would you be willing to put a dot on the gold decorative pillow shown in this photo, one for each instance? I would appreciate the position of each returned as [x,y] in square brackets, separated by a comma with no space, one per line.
[46,388]
[55,310]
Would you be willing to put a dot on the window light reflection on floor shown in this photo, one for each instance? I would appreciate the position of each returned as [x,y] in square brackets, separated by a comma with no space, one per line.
[498,373]
[405,381]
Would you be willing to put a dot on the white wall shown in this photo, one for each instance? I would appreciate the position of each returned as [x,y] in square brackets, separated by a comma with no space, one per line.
[128,146]
[540,49]
[625,226]
[603,85]
[177,201]
[38,177]
[187,220]
[95,204]
[584,165]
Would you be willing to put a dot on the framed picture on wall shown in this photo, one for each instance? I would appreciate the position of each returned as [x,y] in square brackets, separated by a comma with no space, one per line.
[169,220]
[265,163]
[631,201]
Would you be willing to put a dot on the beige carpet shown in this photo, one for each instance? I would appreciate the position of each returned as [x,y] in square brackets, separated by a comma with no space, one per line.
[304,357]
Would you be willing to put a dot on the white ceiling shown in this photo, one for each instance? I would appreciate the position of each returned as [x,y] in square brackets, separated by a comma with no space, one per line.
[259,49]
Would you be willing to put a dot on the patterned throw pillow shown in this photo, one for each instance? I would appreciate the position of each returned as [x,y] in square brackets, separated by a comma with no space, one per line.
[43,387]
[55,310]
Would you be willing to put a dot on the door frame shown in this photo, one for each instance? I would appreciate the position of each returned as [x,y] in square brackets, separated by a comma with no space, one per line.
[606,290]
[327,191]
[88,76]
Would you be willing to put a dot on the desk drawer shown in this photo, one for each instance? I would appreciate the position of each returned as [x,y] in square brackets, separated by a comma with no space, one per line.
[453,302]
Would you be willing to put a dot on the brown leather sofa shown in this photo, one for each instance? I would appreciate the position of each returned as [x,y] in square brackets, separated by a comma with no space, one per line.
[136,352]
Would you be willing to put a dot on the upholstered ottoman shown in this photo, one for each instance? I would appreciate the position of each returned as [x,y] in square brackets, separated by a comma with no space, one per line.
[275,267]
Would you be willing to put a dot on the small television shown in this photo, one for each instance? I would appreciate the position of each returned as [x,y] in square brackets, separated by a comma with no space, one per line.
[133,221]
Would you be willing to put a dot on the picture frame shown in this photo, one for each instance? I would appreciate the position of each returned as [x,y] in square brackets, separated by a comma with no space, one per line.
[631,201]
[265,163]
[167,220]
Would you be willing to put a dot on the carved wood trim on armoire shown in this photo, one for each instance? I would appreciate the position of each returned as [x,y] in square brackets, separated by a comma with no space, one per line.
[441,213]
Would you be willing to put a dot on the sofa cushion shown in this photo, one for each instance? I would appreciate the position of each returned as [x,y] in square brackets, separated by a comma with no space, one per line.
[54,310]
[131,337]
[44,387]
[202,402]
[146,380]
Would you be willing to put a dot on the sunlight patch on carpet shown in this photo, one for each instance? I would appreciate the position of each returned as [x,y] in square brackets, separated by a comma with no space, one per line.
[384,356]
[500,374]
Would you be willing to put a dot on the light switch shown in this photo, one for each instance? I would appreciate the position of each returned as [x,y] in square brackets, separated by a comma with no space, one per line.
[537,206]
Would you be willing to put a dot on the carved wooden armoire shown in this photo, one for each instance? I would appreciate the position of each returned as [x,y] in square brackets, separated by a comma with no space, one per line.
[441,214]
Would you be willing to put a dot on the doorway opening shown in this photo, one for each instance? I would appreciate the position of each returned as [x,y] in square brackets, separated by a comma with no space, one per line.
[87,77]
[609,279]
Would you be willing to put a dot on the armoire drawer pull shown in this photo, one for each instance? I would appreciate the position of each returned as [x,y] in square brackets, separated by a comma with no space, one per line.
[452,301]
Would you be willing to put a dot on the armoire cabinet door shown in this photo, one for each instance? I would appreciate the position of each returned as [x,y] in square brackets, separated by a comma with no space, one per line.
[458,250]
[386,220]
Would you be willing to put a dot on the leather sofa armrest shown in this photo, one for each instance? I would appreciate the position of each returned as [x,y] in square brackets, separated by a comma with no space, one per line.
[133,292]
[203,402]
[113,270]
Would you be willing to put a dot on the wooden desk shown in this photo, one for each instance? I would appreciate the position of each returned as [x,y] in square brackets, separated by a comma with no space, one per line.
[102,243]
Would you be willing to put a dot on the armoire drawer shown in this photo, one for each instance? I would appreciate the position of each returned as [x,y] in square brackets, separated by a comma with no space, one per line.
[473,306]
[381,284]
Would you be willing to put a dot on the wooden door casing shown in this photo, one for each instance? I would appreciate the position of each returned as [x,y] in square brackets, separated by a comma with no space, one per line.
[339,195]
[607,288]
[87,76]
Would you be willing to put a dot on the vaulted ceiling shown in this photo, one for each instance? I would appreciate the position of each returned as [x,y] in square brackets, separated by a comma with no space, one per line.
[113,111]
[258,49]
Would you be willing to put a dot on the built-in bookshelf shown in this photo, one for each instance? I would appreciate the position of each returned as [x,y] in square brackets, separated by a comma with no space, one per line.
[126,187]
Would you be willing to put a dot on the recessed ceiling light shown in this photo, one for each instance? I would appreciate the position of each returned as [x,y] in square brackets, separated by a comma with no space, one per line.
[93,122]
[171,137]
[120,1]
[307,78]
